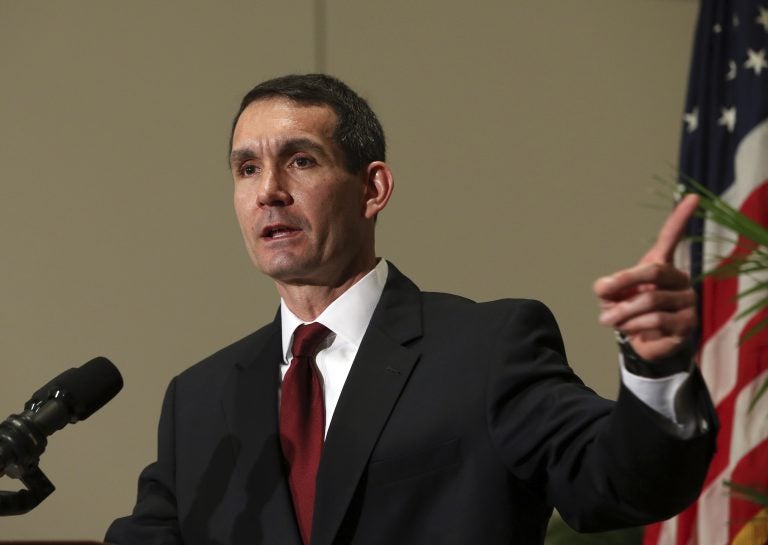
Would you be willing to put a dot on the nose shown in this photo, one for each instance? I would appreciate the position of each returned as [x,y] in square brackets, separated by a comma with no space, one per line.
[273,190]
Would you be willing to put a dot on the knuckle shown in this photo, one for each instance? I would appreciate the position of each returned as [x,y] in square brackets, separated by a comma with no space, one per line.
[691,317]
[654,320]
[650,299]
[657,272]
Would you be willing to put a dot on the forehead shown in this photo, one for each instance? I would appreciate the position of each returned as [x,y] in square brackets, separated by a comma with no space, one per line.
[276,119]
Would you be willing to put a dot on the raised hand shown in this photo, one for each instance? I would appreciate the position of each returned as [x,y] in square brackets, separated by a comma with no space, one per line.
[653,303]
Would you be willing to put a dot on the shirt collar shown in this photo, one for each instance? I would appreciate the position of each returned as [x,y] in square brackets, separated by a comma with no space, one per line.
[348,316]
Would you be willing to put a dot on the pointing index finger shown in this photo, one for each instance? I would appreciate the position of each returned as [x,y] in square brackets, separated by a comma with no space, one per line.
[672,231]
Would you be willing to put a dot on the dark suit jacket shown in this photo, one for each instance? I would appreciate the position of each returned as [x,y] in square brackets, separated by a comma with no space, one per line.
[459,423]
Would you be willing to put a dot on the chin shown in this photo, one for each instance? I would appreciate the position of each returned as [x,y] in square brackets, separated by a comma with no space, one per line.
[287,271]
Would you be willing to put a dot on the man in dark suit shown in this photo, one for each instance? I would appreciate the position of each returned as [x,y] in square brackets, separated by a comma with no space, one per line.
[444,421]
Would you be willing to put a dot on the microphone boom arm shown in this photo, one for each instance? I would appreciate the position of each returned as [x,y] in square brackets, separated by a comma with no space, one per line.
[29,442]
[23,501]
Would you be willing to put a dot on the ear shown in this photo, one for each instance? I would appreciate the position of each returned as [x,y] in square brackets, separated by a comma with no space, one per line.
[379,184]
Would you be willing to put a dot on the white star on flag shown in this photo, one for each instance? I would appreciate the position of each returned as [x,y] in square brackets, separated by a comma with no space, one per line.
[728,118]
[691,120]
[756,61]
[762,19]
[731,75]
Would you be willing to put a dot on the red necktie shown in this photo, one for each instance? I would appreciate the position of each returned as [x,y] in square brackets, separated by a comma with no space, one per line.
[302,422]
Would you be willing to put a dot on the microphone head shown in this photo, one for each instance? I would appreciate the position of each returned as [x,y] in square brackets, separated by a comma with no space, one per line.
[84,389]
[91,386]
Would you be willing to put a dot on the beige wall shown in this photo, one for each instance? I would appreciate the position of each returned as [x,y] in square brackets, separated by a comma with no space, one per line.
[523,135]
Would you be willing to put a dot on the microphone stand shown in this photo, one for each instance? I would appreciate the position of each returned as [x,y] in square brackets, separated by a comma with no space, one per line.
[23,501]
[21,444]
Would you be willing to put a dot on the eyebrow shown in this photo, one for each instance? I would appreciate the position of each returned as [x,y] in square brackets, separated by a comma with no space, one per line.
[287,147]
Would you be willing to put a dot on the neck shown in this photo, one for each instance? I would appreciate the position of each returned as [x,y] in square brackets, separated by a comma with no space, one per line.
[309,301]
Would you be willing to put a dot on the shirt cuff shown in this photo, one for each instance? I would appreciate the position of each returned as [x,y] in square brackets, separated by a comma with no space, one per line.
[660,394]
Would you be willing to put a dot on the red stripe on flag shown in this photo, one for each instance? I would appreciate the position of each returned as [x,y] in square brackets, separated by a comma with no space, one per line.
[651,534]
[685,523]
[718,304]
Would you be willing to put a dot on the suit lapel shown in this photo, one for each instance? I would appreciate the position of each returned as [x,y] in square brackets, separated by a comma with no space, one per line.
[250,405]
[249,398]
[379,373]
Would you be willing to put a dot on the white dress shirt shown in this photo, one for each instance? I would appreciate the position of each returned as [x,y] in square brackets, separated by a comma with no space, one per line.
[348,318]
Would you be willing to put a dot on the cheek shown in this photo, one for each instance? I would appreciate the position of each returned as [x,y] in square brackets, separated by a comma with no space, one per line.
[242,203]
[337,213]
[349,201]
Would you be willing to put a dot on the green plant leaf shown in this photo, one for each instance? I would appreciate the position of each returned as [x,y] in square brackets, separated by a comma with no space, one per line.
[757,287]
[754,330]
[753,309]
[755,495]
[722,213]
[760,392]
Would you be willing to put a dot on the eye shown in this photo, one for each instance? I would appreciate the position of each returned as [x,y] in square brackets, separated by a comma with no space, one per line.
[248,170]
[302,161]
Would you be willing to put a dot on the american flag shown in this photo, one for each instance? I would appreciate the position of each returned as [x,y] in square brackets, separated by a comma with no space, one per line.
[725,148]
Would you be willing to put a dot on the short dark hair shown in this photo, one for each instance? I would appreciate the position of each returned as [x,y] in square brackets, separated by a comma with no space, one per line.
[358,131]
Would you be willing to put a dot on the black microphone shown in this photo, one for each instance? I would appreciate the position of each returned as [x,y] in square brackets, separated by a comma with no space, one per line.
[72,396]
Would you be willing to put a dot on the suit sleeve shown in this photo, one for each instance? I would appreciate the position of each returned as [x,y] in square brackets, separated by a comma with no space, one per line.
[154,519]
[602,464]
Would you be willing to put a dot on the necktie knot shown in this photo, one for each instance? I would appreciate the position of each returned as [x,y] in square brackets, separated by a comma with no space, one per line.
[307,339]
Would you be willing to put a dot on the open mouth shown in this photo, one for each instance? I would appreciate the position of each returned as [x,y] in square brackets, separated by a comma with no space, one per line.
[277,231]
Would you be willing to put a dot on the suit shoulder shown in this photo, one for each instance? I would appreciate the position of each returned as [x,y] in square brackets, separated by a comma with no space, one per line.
[450,302]
[497,318]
